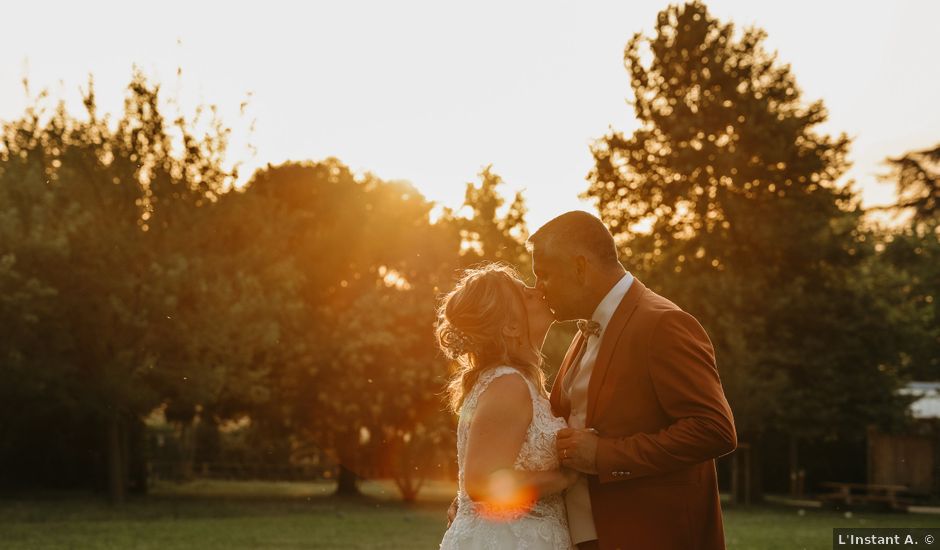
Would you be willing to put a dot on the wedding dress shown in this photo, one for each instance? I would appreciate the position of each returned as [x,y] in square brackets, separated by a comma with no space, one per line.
[545,525]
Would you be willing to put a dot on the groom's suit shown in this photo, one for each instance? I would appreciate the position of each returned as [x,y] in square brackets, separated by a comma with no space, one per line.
[656,401]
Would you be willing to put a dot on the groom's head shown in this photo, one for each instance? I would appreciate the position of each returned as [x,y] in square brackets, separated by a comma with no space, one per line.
[573,257]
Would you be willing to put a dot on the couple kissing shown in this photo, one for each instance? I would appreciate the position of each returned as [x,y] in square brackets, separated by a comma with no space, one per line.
[621,453]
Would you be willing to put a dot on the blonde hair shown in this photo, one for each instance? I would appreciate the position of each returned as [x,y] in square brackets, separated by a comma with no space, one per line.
[470,325]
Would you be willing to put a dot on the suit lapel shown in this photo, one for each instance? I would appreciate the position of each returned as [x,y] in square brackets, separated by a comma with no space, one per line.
[562,407]
[618,322]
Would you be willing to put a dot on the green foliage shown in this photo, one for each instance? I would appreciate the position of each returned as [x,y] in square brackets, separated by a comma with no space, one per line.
[109,260]
[137,277]
[366,377]
[911,253]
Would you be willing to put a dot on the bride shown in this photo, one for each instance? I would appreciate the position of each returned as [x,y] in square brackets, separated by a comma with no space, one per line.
[509,480]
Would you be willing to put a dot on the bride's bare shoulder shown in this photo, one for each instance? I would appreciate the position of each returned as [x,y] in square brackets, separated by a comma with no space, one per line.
[507,393]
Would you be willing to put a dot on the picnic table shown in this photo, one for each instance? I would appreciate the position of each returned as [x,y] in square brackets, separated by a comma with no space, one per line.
[852,493]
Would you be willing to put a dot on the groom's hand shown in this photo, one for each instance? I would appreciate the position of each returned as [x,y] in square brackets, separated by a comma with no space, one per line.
[577,449]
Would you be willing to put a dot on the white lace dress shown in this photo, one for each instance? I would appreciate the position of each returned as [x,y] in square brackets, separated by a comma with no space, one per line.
[543,527]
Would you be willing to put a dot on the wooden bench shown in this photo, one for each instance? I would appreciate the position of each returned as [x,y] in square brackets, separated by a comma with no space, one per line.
[864,493]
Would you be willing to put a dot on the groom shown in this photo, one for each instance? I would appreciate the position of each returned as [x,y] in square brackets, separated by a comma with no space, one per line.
[642,396]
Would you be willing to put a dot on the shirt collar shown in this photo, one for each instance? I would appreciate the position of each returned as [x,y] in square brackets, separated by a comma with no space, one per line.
[605,310]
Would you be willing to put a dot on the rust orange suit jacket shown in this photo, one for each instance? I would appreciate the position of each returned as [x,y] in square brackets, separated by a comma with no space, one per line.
[656,401]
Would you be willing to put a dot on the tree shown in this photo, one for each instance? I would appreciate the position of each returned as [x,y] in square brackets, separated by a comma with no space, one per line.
[40,388]
[913,251]
[728,200]
[108,220]
[371,264]
[917,175]
[491,232]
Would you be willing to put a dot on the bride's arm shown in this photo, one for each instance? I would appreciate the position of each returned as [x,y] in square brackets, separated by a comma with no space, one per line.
[497,432]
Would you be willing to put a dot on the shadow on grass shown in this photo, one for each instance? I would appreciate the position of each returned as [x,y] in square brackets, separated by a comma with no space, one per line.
[215,515]
[219,499]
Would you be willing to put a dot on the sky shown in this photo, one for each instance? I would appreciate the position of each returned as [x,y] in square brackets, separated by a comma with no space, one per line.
[431,92]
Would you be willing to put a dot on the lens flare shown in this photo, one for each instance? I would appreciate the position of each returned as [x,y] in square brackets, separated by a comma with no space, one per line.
[506,499]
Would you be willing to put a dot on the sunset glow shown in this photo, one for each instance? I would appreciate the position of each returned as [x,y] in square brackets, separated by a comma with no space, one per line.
[430,93]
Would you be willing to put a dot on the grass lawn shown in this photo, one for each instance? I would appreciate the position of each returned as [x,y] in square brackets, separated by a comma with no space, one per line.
[235,515]
[784,528]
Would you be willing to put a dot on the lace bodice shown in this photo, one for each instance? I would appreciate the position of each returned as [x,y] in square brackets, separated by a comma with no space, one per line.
[545,524]
[538,450]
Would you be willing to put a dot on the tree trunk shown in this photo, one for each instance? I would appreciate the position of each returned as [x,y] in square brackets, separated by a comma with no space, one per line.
[742,475]
[116,466]
[796,481]
[187,451]
[347,482]
[138,474]
[754,482]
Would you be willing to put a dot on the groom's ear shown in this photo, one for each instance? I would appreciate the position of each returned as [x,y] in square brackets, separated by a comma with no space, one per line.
[580,269]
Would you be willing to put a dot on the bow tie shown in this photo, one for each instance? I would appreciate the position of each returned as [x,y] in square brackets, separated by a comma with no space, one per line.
[589,328]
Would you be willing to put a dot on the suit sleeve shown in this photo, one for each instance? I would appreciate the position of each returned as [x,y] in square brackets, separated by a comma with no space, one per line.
[685,378]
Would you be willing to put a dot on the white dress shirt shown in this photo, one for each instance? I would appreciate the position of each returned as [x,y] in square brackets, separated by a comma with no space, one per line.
[575,386]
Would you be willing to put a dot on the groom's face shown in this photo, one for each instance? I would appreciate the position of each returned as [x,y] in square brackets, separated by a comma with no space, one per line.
[557,279]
